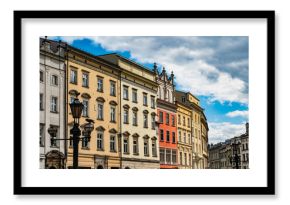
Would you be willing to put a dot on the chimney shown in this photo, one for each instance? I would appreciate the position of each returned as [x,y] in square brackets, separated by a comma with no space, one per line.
[247,128]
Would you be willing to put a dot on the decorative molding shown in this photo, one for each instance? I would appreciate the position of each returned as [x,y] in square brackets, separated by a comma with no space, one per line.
[86,95]
[100,99]
[100,128]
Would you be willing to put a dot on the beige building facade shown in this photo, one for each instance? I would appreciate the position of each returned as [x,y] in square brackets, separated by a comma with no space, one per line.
[139,143]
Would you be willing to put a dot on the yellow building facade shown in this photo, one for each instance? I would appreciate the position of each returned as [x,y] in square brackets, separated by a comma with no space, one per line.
[99,85]
[199,129]
[184,142]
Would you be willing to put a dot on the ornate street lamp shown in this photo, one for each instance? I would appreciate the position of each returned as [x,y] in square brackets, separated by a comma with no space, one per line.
[88,128]
[235,157]
[76,109]
[52,132]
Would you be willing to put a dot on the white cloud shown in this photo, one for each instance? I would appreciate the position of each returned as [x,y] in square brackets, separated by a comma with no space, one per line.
[219,132]
[188,58]
[238,113]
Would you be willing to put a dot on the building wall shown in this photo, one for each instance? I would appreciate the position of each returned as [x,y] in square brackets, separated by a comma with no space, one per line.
[184,136]
[51,65]
[138,135]
[166,119]
[93,156]
[221,155]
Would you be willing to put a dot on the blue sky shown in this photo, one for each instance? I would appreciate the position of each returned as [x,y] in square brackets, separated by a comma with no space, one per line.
[215,69]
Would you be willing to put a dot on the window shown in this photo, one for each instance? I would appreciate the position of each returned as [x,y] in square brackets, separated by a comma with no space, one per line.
[161,117]
[126,145]
[185,158]
[54,80]
[145,99]
[100,85]
[85,80]
[162,159]
[153,122]
[112,88]
[41,135]
[179,120]
[135,146]
[183,99]
[188,122]
[146,151]
[41,101]
[168,156]
[188,139]
[100,141]
[179,136]
[85,108]
[199,134]
[134,95]
[172,120]
[173,137]
[184,137]
[196,133]
[145,120]
[183,121]
[167,136]
[53,104]
[112,143]
[100,111]
[135,119]
[154,149]
[41,76]
[126,116]
[152,102]
[113,114]
[161,135]
[173,156]
[180,156]
[167,118]
[85,142]
[73,76]
[125,92]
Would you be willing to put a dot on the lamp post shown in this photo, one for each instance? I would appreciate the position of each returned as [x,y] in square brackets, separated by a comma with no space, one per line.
[76,109]
[235,157]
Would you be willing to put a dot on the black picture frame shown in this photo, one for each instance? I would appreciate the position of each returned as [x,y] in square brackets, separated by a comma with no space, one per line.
[19,189]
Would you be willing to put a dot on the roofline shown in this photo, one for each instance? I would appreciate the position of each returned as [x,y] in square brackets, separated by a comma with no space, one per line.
[130,61]
[188,93]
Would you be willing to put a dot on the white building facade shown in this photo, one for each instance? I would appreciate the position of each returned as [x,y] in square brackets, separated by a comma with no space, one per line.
[52,104]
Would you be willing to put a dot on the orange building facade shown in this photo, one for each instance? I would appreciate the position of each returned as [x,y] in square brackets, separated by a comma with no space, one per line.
[166,111]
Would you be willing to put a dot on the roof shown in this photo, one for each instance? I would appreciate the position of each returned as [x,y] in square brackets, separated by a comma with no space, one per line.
[128,60]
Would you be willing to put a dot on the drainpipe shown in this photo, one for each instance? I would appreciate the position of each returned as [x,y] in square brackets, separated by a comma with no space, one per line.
[65,99]
[120,119]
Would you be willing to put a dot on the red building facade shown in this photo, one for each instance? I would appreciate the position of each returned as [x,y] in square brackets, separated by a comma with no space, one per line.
[166,111]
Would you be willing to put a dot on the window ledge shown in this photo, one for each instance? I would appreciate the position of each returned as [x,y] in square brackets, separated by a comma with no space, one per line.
[85,148]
